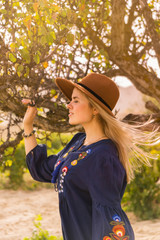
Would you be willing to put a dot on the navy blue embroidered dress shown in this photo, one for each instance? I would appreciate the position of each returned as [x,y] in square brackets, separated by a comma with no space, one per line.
[90,181]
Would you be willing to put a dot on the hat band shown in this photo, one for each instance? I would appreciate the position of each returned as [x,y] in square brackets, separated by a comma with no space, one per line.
[96,95]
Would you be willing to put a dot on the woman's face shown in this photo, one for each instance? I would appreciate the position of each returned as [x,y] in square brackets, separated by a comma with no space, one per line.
[80,112]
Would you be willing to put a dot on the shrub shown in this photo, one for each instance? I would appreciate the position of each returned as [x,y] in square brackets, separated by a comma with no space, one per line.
[14,165]
[39,233]
[142,195]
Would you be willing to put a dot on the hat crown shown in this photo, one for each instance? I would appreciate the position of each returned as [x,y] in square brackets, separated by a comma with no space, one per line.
[102,86]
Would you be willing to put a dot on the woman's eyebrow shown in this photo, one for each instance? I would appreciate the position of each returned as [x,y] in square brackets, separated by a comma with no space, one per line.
[74,97]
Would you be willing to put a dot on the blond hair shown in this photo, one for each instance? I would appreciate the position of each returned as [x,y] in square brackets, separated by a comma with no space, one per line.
[128,140]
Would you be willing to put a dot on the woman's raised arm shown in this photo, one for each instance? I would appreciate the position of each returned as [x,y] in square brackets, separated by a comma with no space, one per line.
[30,140]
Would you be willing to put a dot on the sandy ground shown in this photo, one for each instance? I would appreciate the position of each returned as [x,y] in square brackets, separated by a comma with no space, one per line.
[19,208]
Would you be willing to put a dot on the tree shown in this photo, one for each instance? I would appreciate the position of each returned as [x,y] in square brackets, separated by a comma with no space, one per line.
[44,39]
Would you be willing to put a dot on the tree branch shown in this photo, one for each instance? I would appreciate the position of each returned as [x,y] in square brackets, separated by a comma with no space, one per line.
[151,28]
[128,26]
[152,107]
[12,143]
[134,119]
[118,27]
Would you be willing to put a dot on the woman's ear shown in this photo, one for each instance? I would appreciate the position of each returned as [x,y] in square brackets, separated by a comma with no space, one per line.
[95,111]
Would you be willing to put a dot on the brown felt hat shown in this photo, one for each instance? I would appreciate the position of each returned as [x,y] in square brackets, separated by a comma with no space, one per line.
[99,87]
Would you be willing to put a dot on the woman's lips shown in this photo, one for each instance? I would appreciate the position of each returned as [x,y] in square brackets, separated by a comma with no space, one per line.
[70,114]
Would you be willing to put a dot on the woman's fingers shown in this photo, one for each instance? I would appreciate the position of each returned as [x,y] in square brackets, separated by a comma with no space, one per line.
[25,101]
[28,102]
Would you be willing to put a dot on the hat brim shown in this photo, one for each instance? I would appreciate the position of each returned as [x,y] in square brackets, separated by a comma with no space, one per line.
[66,86]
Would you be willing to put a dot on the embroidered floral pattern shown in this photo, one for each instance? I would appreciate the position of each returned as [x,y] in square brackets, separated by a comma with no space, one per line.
[65,169]
[66,154]
[57,167]
[118,230]
[116,218]
[57,164]
[72,164]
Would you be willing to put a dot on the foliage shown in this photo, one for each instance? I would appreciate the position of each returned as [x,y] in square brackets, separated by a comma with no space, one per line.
[39,233]
[14,164]
[55,142]
[142,195]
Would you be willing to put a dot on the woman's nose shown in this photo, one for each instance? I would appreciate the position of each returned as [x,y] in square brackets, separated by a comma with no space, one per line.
[68,105]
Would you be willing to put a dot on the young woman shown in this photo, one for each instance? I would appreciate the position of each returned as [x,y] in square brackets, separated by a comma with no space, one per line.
[91,172]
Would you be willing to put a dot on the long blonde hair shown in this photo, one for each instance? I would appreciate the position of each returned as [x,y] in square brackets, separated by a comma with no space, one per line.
[128,140]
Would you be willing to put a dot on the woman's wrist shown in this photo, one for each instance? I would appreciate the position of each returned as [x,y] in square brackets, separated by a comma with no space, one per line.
[28,135]
[28,129]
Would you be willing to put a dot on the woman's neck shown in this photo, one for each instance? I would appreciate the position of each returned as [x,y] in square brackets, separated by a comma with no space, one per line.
[94,131]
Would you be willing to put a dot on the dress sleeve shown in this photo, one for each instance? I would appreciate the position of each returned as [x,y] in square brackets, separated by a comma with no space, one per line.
[106,178]
[39,165]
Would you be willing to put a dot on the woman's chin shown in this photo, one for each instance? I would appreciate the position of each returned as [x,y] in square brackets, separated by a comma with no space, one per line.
[71,122]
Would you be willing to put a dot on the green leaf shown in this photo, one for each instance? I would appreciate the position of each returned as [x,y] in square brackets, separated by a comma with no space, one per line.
[93,54]
[25,55]
[3,11]
[38,217]
[143,56]
[86,55]
[12,58]
[85,42]
[64,13]
[49,144]
[20,69]
[53,35]
[27,72]
[70,56]
[50,39]
[96,65]
[15,4]
[43,40]
[42,31]
[40,109]
[53,92]
[36,58]
[70,39]
[8,163]
[12,47]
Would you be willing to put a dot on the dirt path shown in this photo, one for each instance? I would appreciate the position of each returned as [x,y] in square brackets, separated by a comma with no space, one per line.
[19,208]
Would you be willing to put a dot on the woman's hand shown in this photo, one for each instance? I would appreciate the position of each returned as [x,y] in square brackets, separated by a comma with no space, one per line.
[30,113]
